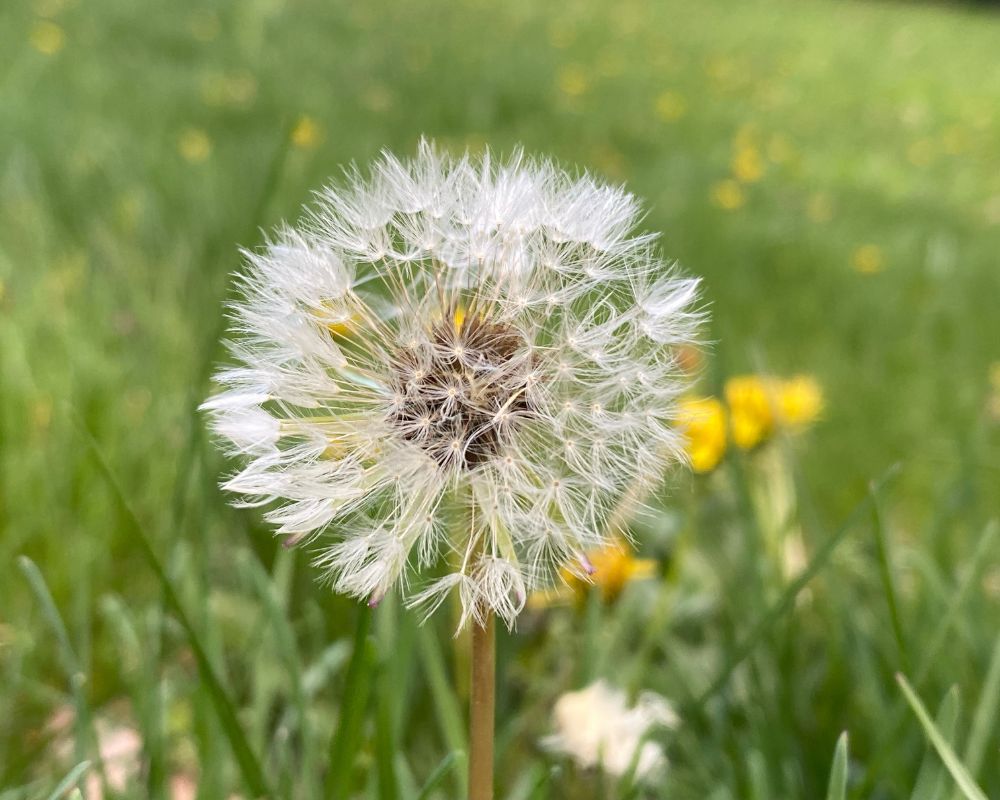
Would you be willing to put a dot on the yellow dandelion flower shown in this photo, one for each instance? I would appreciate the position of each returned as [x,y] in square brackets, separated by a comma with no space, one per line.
[728,195]
[614,567]
[747,164]
[194,145]
[307,133]
[572,80]
[799,401]
[868,259]
[671,106]
[703,420]
[47,37]
[751,413]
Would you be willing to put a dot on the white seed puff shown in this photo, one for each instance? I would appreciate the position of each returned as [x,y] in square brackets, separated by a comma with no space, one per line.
[454,366]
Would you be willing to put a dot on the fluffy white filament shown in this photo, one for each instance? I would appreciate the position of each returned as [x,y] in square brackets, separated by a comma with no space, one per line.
[461,362]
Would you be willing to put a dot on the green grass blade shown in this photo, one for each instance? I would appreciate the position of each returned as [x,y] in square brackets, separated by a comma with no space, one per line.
[250,769]
[888,583]
[930,783]
[787,599]
[985,716]
[85,737]
[448,763]
[837,788]
[951,761]
[71,779]
[347,737]
[448,709]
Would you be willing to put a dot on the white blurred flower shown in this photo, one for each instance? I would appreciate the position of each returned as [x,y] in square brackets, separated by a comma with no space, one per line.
[595,727]
[463,355]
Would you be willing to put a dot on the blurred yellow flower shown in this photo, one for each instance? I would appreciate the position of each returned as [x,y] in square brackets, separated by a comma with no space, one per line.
[747,164]
[819,207]
[233,90]
[703,420]
[751,414]
[799,401]
[868,259]
[671,106]
[204,25]
[728,195]
[194,145]
[307,133]
[994,374]
[572,80]
[47,37]
[614,568]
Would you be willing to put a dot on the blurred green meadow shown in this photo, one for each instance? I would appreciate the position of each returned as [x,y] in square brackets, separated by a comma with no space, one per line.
[832,170]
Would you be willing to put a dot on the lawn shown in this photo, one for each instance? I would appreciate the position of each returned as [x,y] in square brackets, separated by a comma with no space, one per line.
[831,170]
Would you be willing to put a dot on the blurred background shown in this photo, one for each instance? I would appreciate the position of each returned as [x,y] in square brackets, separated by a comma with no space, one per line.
[831,169]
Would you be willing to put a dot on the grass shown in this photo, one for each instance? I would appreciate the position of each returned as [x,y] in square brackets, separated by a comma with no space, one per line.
[829,168]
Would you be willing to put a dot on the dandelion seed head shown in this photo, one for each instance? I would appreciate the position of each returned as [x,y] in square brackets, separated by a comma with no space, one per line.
[468,355]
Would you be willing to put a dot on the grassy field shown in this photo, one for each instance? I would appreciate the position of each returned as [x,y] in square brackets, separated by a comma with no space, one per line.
[831,169]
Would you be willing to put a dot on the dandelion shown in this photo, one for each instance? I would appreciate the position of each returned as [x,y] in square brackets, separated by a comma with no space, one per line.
[671,106]
[751,413]
[572,80]
[47,37]
[728,195]
[194,145]
[596,728]
[868,259]
[799,401]
[703,421]
[747,164]
[507,376]
[307,133]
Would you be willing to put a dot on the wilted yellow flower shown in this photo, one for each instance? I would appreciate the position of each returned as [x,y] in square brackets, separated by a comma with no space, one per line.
[728,195]
[747,165]
[868,259]
[306,134]
[671,105]
[799,401]
[47,37]
[751,413]
[194,145]
[703,420]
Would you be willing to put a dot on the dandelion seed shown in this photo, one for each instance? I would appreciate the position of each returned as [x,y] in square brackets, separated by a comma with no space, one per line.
[596,728]
[502,378]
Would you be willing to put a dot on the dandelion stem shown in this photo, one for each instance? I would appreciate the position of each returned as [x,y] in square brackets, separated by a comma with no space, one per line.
[481,709]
